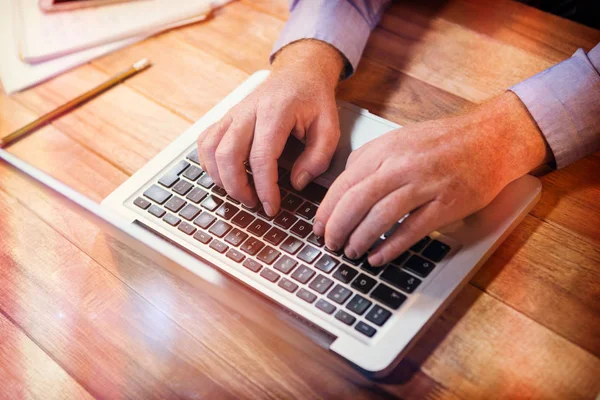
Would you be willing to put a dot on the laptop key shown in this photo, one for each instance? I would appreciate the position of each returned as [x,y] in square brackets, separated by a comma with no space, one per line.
[268,255]
[371,269]
[258,227]
[186,228]
[339,294]
[141,203]
[378,315]
[252,246]
[388,296]
[287,285]
[269,274]
[325,306]
[252,265]
[401,258]
[206,181]
[175,204]
[202,237]
[363,283]
[189,212]
[235,255]
[219,191]
[400,279]
[231,199]
[314,192]
[261,212]
[285,264]
[211,202]
[172,176]
[307,210]
[420,245]
[196,195]
[193,156]
[321,284]
[345,273]
[220,229]
[157,194]
[182,187]
[306,295]
[354,261]
[358,304]
[318,241]
[335,252]
[218,246]
[227,210]
[308,254]
[365,329]
[419,266]
[275,236]
[171,219]
[285,220]
[205,220]
[326,263]
[436,251]
[235,237]
[156,211]
[301,228]
[242,219]
[193,173]
[303,274]
[291,245]
[346,318]
[291,202]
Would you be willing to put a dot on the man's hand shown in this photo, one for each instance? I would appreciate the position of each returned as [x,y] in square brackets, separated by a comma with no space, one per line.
[439,172]
[298,98]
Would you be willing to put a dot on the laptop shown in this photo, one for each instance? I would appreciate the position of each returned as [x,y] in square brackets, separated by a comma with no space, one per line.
[371,316]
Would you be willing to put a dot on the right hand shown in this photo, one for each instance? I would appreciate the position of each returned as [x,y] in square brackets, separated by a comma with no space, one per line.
[297,98]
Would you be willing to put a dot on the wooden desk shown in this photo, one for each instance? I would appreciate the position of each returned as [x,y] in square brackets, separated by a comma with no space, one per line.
[74,325]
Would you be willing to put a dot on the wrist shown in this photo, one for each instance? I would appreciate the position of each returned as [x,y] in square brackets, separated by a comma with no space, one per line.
[314,59]
[517,144]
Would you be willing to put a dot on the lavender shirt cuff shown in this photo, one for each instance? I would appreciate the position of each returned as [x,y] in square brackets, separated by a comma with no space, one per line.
[335,22]
[565,102]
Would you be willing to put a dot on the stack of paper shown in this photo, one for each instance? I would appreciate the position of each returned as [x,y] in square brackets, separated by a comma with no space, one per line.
[35,46]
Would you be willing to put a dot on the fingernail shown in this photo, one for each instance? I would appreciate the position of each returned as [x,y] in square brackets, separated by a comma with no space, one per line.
[376,259]
[303,179]
[319,229]
[333,246]
[351,253]
[268,209]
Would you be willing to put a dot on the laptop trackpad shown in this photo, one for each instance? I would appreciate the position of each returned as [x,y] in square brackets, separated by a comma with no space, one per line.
[357,127]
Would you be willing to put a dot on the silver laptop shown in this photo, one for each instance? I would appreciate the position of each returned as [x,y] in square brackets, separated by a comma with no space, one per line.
[372,315]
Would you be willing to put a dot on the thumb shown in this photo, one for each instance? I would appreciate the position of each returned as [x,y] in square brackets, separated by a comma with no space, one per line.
[321,141]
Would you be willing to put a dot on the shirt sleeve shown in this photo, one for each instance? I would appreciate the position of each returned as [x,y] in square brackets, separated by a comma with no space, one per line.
[345,24]
[565,102]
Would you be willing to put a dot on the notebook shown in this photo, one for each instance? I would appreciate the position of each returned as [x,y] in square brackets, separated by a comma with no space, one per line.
[16,74]
[44,36]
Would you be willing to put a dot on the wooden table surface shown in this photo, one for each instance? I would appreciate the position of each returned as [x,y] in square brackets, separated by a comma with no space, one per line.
[76,323]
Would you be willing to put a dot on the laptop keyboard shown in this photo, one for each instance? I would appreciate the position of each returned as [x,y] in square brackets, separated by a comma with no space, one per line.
[283,250]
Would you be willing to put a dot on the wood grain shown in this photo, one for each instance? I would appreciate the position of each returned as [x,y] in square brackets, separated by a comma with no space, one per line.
[106,324]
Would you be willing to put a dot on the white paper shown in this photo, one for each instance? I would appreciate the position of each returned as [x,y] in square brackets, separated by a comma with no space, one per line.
[18,75]
[49,35]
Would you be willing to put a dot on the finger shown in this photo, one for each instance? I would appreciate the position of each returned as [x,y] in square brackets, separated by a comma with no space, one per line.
[270,136]
[354,205]
[208,148]
[343,183]
[416,226]
[232,152]
[383,216]
[321,141]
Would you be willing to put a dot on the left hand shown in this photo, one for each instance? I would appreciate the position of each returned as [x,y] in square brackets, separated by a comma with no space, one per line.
[438,171]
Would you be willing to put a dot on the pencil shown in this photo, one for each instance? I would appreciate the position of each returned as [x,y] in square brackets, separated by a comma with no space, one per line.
[47,118]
